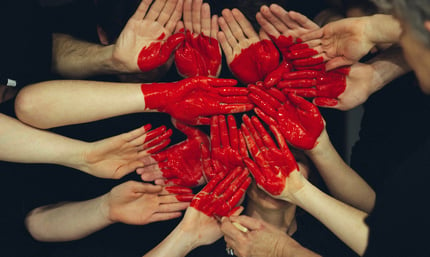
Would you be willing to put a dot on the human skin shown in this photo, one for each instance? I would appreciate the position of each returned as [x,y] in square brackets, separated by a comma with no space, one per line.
[131,202]
[152,24]
[200,53]
[55,103]
[108,158]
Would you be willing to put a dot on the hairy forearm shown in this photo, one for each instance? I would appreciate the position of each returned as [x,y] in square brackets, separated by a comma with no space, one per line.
[75,59]
[346,222]
[66,221]
[342,181]
[21,143]
[64,102]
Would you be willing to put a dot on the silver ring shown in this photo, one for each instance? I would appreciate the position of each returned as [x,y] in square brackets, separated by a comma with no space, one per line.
[229,251]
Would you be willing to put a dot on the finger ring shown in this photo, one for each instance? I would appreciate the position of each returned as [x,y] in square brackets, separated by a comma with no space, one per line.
[229,251]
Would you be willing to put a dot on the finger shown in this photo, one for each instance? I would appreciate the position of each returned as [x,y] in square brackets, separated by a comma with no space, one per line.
[174,22]
[167,12]
[266,25]
[196,16]
[248,222]
[246,27]
[214,27]
[266,118]
[189,131]
[156,148]
[234,33]
[223,132]
[172,207]
[176,190]
[225,45]
[156,133]
[155,10]
[215,133]
[326,102]
[206,20]
[179,27]
[164,216]
[282,15]
[234,108]
[202,121]
[279,25]
[279,138]
[303,21]
[233,133]
[140,187]
[251,135]
[141,10]
[266,138]
[255,171]
[187,15]
[221,82]
[150,174]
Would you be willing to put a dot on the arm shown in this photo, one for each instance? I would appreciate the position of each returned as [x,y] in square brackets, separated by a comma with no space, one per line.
[132,202]
[144,44]
[218,198]
[276,172]
[56,103]
[109,158]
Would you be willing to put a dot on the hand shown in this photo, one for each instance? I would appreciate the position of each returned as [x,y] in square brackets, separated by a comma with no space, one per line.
[228,147]
[138,203]
[180,164]
[117,156]
[285,29]
[342,42]
[200,53]
[142,45]
[272,164]
[221,195]
[262,239]
[249,56]
[299,121]
[193,100]
[324,87]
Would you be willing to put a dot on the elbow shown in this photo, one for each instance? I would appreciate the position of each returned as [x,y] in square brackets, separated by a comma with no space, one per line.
[28,109]
[34,228]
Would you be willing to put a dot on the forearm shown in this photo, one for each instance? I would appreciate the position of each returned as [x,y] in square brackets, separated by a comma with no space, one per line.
[21,143]
[382,28]
[64,102]
[75,59]
[67,221]
[346,222]
[342,181]
[388,65]
[176,244]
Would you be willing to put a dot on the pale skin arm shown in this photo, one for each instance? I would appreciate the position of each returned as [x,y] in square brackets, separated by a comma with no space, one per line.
[346,222]
[109,158]
[132,202]
[342,181]
[70,102]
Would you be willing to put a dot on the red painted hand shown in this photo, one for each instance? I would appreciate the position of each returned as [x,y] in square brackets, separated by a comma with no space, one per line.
[228,147]
[192,100]
[271,164]
[222,194]
[299,121]
[157,53]
[199,55]
[325,87]
[179,164]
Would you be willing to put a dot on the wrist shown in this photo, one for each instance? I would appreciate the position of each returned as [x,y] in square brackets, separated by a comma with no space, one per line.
[382,28]
[104,210]
[158,95]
